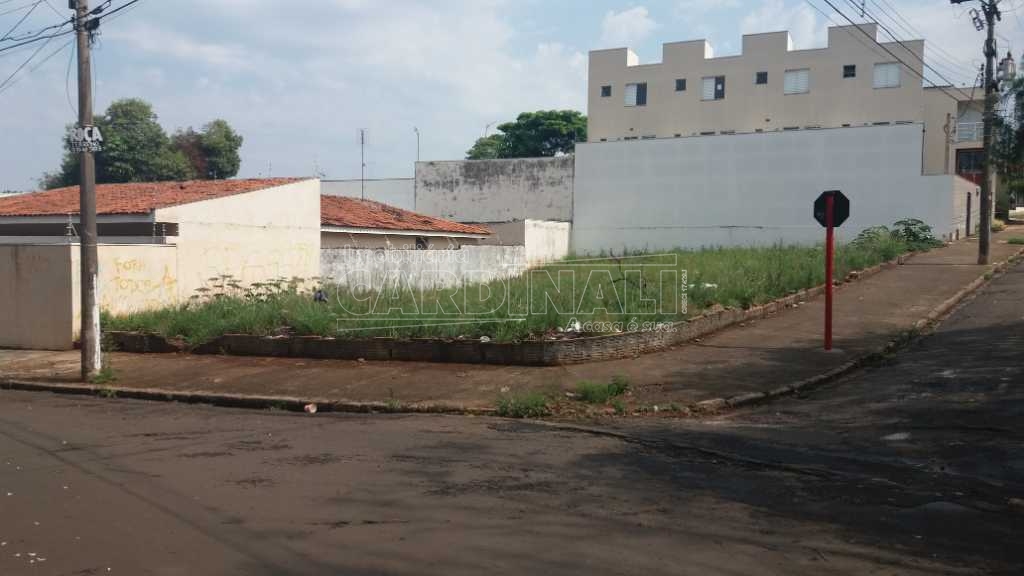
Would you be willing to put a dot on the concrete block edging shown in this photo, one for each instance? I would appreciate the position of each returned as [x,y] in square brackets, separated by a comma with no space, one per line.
[523,353]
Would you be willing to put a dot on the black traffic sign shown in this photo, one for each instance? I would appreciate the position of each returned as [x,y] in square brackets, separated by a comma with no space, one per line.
[841,207]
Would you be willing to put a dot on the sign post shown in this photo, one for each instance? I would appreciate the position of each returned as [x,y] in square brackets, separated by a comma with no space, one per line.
[831,209]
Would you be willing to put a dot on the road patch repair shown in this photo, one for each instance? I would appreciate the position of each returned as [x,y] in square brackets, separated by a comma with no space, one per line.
[752,361]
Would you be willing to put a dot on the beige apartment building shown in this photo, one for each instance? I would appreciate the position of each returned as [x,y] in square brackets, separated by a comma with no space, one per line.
[854,81]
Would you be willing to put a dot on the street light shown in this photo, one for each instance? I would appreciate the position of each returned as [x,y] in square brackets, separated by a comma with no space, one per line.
[417,131]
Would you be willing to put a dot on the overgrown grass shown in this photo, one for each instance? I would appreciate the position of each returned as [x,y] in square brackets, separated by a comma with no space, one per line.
[601,393]
[1017,240]
[586,296]
[523,405]
[998,225]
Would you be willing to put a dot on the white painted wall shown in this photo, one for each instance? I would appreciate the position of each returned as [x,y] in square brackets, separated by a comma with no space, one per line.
[253,237]
[496,190]
[546,241]
[421,268]
[397,192]
[750,189]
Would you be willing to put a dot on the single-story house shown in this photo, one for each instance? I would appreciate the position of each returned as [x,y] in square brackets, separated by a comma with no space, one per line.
[158,244]
[353,223]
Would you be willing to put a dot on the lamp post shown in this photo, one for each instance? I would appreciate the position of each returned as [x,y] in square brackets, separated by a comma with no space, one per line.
[417,131]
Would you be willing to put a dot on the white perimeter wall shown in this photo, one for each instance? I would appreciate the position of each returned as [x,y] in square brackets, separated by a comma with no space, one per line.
[422,269]
[750,189]
[397,192]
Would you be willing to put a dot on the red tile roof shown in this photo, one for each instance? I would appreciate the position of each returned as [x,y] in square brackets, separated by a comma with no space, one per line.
[355,213]
[132,198]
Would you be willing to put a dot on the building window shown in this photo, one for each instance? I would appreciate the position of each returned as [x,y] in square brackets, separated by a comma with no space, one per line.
[680,84]
[606,91]
[887,75]
[761,78]
[850,71]
[797,81]
[713,88]
[636,94]
[970,161]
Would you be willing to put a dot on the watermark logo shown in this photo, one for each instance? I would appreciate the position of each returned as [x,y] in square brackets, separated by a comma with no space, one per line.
[401,289]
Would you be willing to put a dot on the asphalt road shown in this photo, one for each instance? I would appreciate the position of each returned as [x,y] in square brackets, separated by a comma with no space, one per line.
[913,467]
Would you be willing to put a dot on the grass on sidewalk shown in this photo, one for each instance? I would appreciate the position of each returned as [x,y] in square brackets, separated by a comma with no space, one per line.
[586,296]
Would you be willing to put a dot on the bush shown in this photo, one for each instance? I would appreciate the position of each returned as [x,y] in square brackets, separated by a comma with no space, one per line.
[915,233]
[998,225]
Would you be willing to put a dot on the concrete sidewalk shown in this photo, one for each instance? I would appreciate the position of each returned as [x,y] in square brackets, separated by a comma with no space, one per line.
[757,357]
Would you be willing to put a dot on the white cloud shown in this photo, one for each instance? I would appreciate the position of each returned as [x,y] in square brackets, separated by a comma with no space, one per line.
[626,27]
[800,20]
[693,9]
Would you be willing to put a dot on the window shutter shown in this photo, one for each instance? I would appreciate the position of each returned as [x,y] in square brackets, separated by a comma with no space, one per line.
[641,94]
[797,81]
[630,94]
[708,89]
[887,75]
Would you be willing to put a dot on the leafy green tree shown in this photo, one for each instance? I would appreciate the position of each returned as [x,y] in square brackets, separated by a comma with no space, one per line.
[136,149]
[534,134]
[220,145]
[487,148]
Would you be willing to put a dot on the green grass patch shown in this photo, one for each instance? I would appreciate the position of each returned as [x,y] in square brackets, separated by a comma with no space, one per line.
[600,295]
[600,393]
[523,405]
[1017,240]
[105,375]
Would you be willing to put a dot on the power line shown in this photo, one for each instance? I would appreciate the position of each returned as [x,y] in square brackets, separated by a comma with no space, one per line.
[34,40]
[19,8]
[9,81]
[19,22]
[912,53]
[890,52]
[915,32]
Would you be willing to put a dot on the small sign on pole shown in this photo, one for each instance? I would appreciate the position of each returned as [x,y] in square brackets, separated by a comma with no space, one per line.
[831,209]
[85,139]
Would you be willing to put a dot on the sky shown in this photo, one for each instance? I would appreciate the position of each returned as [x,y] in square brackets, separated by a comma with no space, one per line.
[300,78]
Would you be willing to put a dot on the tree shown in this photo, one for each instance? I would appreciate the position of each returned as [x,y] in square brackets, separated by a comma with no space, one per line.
[220,144]
[136,149]
[487,148]
[534,134]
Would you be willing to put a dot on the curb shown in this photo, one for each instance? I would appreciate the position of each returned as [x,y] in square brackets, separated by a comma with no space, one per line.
[704,407]
[285,403]
[902,339]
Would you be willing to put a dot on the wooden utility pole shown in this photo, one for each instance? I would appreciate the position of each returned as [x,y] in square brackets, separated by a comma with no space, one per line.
[90,332]
[991,10]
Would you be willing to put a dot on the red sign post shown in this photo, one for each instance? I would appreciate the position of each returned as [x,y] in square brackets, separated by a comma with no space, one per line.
[830,256]
[831,209]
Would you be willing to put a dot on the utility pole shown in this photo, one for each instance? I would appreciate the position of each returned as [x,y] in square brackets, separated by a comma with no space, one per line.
[362,163]
[991,11]
[90,331]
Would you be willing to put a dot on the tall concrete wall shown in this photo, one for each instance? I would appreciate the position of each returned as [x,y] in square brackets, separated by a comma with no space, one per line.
[421,268]
[36,296]
[961,190]
[496,190]
[397,192]
[751,189]
[252,237]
